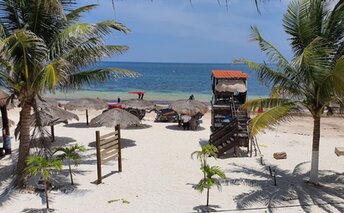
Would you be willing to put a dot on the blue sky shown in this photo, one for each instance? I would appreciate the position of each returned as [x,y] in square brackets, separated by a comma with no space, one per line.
[201,32]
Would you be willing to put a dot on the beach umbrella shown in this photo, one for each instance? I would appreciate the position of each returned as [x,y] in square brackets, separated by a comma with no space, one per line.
[189,107]
[113,117]
[86,104]
[50,116]
[46,102]
[138,104]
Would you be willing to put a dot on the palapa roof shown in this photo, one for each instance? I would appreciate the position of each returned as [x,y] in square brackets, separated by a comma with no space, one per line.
[234,74]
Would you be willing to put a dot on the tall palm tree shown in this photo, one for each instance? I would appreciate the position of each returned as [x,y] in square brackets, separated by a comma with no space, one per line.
[43,46]
[315,76]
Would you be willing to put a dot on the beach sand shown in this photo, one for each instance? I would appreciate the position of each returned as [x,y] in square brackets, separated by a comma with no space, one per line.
[159,173]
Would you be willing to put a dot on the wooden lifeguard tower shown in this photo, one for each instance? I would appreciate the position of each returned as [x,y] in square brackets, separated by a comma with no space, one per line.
[229,123]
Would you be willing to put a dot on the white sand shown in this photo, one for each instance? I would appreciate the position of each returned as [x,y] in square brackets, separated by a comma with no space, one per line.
[159,174]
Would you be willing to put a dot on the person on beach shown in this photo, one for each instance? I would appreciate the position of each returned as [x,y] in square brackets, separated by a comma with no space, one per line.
[118,99]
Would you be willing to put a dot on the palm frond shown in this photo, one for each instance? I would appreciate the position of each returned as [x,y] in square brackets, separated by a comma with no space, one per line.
[96,76]
[313,63]
[86,54]
[75,14]
[272,117]
[271,77]
[274,56]
[83,34]
[333,84]
[296,24]
[24,49]
[253,105]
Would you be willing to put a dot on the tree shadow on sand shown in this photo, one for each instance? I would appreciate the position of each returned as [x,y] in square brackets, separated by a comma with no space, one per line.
[291,189]
[180,128]
[33,210]
[47,142]
[78,125]
[125,143]
[204,208]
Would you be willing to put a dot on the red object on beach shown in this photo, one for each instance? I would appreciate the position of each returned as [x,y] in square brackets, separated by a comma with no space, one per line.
[260,110]
[116,106]
[136,92]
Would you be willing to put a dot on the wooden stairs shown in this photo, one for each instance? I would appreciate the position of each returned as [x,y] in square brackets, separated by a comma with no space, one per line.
[232,134]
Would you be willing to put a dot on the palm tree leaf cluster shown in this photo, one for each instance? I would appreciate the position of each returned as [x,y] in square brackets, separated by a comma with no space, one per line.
[44,46]
[314,79]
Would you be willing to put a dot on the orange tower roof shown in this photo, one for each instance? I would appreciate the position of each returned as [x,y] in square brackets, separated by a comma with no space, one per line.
[228,74]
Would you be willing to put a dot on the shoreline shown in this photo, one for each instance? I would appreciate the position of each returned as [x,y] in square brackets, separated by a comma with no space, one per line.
[157,97]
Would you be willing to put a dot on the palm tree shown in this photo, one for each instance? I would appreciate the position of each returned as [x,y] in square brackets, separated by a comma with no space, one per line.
[209,180]
[71,154]
[208,150]
[39,165]
[315,76]
[43,46]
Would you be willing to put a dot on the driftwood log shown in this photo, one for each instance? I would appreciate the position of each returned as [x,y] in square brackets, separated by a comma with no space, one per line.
[280,155]
[339,151]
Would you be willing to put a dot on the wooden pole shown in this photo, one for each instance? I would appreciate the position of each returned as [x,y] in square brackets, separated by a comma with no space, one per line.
[52,133]
[251,146]
[5,131]
[99,160]
[87,116]
[119,149]
[274,175]
[270,171]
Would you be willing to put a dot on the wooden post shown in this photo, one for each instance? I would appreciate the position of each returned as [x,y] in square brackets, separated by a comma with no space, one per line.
[119,149]
[261,160]
[87,116]
[5,131]
[274,175]
[270,171]
[52,133]
[251,146]
[99,160]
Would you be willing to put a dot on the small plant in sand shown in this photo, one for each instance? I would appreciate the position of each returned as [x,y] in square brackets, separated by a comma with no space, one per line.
[71,154]
[209,172]
[208,150]
[210,180]
[39,165]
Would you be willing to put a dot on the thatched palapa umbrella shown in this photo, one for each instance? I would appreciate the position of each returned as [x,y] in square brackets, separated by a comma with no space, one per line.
[189,107]
[113,117]
[50,116]
[86,104]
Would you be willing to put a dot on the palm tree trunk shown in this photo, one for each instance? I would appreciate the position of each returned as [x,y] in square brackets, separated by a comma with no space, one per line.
[315,151]
[208,196]
[70,172]
[24,145]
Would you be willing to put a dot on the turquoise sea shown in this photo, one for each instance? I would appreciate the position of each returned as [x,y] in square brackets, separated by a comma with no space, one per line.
[164,82]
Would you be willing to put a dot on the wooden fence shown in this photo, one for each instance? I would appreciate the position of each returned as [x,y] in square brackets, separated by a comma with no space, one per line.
[108,148]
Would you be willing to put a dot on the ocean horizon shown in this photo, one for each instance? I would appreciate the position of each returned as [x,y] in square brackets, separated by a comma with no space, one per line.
[163,82]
